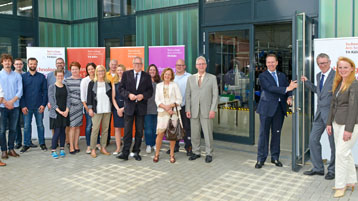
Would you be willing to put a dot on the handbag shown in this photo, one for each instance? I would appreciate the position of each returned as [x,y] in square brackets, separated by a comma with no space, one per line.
[174,133]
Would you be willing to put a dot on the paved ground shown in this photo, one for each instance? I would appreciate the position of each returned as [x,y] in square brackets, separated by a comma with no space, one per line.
[231,176]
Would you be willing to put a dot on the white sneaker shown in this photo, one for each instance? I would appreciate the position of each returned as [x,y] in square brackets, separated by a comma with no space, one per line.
[131,154]
[155,148]
[148,149]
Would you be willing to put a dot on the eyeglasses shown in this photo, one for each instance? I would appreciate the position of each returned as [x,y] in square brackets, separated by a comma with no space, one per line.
[137,63]
[180,65]
[201,64]
[101,71]
[60,63]
[323,63]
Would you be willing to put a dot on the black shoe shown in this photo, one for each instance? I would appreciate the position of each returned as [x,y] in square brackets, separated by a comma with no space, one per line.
[175,150]
[77,150]
[122,156]
[18,146]
[276,162]
[72,152]
[43,147]
[259,164]
[311,172]
[33,145]
[137,157]
[329,176]
[24,149]
[208,159]
[189,153]
[194,157]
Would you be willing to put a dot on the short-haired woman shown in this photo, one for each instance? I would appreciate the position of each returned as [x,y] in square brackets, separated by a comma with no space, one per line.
[343,117]
[59,98]
[99,102]
[167,97]
[76,109]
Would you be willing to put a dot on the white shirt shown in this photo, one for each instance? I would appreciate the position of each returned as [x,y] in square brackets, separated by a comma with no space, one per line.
[138,78]
[325,76]
[84,88]
[1,92]
[103,102]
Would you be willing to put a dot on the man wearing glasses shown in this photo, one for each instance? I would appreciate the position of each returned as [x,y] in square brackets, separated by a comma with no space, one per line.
[136,87]
[324,94]
[181,77]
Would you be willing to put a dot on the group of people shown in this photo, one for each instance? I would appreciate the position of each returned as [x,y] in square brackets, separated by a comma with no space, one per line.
[337,113]
[129,97]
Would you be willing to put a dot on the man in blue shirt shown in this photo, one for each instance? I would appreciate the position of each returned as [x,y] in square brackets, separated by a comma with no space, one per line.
[11,83]
[33,103]
[181,77]
[60,65]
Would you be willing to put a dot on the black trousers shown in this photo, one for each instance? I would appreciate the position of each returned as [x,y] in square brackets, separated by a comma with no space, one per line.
[128,130]
[186,125]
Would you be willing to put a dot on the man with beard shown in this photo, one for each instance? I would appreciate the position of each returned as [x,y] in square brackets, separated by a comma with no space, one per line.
[11,83]
[33,103]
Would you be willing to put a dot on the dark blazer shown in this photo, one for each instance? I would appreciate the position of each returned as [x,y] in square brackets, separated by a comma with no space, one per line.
[323,97]
[344,107]
[92,95]
[271,93]
[128,86]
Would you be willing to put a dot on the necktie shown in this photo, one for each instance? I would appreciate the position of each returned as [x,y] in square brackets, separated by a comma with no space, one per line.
[321,82]
[275,77]
[136,79]
[199,81]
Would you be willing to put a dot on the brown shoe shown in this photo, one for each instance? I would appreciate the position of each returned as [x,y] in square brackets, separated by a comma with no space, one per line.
[2,164]
[105,153]
[4,155]
[13,153]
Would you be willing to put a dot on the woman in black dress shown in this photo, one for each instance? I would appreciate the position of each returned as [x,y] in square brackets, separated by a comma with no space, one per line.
[59,99]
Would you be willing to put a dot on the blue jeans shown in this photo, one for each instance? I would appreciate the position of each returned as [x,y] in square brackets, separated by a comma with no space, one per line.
[18,136]
[39,123]
[89,130]
[11,117]
[150,127]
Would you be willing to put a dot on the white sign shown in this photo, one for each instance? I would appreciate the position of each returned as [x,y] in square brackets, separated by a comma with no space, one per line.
[46,57]
[335,48]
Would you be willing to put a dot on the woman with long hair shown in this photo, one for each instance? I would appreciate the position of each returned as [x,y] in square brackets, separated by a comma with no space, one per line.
[150,119]
[76,109]
[343,118]
[118,107]
[168,99]
[99,102]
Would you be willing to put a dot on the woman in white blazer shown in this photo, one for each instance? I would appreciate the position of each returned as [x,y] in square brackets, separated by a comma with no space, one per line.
[167,97]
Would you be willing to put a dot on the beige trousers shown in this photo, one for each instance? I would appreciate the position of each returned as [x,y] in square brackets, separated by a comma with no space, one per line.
[97,121]
[345,167]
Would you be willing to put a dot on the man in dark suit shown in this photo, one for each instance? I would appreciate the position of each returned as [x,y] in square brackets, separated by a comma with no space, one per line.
[275,92]
[136,87]
[324,95]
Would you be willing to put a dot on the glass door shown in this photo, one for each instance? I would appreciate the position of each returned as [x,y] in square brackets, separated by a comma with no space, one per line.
[229,53]
[303,104]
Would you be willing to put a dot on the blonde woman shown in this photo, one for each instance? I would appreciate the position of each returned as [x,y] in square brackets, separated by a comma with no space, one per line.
[118,107]
[99,103]
[343,119]
[166,97]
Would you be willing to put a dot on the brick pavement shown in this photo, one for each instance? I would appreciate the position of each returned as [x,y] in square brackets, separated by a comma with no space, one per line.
[231,176]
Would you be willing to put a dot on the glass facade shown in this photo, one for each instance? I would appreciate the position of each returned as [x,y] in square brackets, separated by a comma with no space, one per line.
[111,8]
[153,4]
[24,42]
[6,7]
[171,28]
[24,8]
[5,45]
[130,6]
[67,9]
[338,18]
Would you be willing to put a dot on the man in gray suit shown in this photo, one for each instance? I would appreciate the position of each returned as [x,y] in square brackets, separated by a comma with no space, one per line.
[201,105]
[324,95]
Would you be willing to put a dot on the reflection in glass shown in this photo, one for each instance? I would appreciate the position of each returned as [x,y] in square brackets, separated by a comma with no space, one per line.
[6,7]
[111,8]
[22,44]
[110,42]
[129,7]
[24,8]
[229,60]
[129,40]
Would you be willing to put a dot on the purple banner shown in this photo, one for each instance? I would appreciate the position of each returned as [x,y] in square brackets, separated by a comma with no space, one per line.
[166,56]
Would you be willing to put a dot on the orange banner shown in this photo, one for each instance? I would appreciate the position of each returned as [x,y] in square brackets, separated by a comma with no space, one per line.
[86,55]
[96,55]
[125,55]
